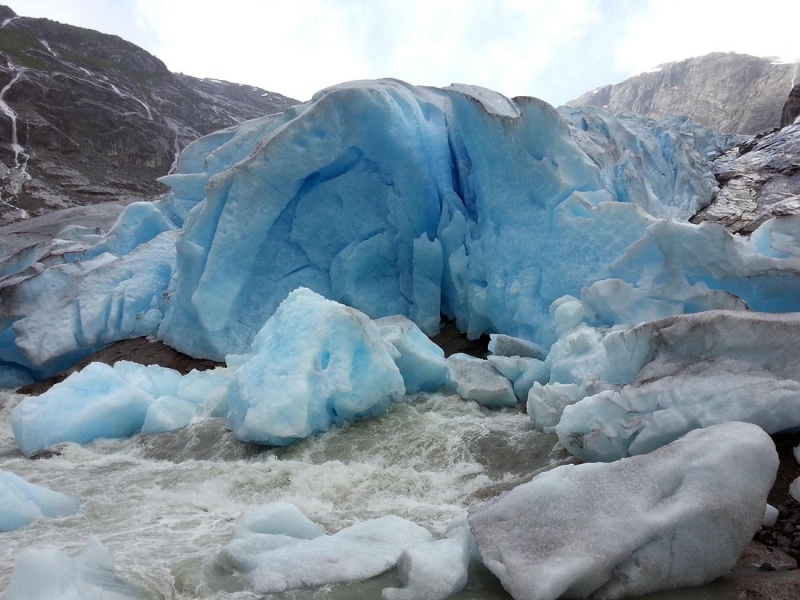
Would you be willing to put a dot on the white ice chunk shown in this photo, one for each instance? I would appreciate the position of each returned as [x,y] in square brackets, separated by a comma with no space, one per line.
[353,554]
[677,517]
[770,516]
[432,570]
[794,489]
[476,379]
[22,502]
[536,372]
[546,403]
[49,574]
[421,362]
[687,372]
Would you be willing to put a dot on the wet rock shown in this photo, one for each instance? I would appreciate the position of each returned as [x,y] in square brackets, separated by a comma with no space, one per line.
[791,110]
[728,92]
[139,350]
[758,555]
[99,119]
[758,181]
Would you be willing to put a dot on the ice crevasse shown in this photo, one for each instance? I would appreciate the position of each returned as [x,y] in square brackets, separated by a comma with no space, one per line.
[401,200]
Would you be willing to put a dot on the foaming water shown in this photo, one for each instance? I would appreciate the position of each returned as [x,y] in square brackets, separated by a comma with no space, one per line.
[166,504]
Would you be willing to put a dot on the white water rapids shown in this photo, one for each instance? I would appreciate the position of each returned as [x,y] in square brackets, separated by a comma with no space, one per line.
[166,505]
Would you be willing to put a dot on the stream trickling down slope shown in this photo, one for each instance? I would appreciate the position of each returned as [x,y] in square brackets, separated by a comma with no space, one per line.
[165,505]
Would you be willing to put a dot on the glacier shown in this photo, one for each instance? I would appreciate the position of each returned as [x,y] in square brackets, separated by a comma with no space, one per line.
[469,204]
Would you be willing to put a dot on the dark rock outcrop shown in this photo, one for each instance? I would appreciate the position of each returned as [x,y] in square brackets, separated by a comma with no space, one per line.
[791,110]
[98,118]
[734,93]
[758,180]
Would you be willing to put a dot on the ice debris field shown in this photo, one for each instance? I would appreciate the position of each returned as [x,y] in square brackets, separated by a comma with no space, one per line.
[315,251]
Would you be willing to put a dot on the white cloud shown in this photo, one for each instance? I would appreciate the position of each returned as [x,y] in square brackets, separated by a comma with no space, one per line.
[668,30]
[553,49]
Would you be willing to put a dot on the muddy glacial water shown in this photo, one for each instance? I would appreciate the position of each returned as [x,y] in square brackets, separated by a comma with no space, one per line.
[165,505]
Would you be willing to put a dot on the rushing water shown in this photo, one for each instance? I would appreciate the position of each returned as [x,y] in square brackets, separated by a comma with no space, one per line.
[166,504]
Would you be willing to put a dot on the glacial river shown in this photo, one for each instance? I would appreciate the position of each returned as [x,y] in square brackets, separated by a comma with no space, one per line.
[165,505]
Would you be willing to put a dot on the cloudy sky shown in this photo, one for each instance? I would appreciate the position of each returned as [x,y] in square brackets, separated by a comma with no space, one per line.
[553,49]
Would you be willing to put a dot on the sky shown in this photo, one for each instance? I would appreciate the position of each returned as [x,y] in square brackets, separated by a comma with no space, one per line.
[552,49]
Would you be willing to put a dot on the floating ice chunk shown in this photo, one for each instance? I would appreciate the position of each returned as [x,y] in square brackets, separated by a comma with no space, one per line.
[279,518]
[476,379]
[797,454]
[111,402]
[433,570]
[505,345]
[677,517]
[421,362]
[770,516]
[686,372]
[97,402]
[167,413]
[794,489]
[353,554]
[314,364]
[268,528]
[22,502]
[49,574]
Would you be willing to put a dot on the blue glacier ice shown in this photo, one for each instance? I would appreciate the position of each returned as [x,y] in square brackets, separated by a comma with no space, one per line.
[47,573]
[98,402]
[22,502]
[314,364]
[51,320]
[403,200]
[421,362]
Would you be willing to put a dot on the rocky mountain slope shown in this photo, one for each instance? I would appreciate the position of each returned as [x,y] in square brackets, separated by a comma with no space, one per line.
[734,93]
[87,117]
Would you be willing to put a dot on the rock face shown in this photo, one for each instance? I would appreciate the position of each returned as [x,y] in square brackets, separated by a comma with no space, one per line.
[728,92]
[791,110]
[88,117]
[677,517]
[758,180]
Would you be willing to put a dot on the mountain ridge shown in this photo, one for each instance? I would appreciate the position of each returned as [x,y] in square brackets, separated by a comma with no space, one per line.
[89,117]
[734,93]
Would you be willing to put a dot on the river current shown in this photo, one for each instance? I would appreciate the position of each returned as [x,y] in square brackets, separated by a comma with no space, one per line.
[166,504]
